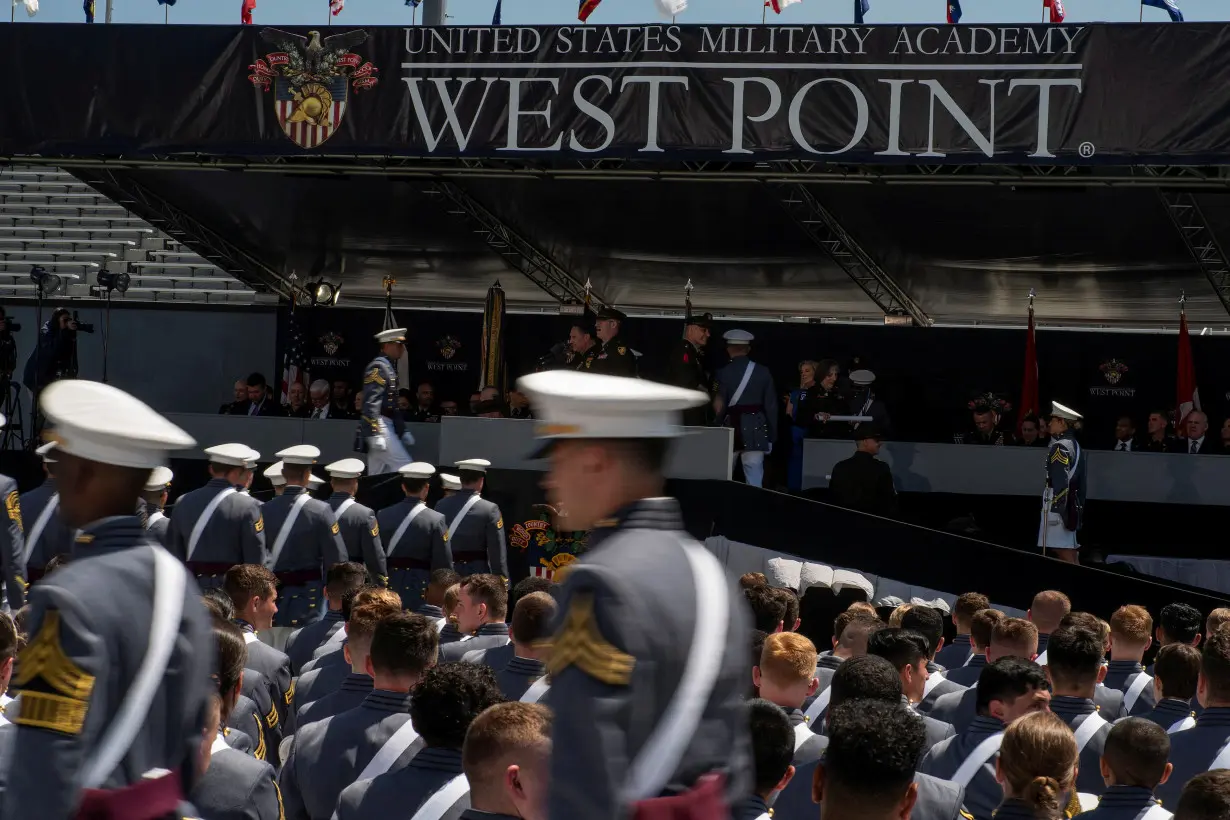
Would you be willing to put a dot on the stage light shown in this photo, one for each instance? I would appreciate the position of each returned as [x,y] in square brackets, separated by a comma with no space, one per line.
[325,294]
[47,283]
[114,281]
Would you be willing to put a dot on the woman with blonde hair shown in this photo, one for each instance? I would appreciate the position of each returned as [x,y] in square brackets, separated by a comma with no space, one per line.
[1037,767]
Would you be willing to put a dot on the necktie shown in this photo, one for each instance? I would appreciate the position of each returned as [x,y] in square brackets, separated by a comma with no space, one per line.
[1123,446]
[1194,450]
[316,413]
[252,410]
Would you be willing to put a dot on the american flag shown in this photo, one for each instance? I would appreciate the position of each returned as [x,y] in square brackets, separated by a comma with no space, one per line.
[294,362]
[336,6]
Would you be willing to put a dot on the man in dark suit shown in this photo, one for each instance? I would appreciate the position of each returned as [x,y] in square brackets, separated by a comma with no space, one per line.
[259,403]
[1158,440]
[1198,442]
[1125,435]
[862,482]
[239,406]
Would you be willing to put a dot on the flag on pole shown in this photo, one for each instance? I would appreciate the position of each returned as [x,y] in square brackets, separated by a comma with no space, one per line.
[861,7]
[294,361]
[88,7]
[495,18]
[166,2]
[954,12]
[586,9]
[1055,7]
[413,3]
[245,14]
[778,5]
[336,6]
[1169,6]
[670,8]
[1029,384]
[31,6]
[1188,398]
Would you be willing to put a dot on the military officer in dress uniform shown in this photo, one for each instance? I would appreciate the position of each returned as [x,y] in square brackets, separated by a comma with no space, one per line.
[865,402]
[1063,501]
[304,539]
[102,732]
[46,534]
[747,401]
[474,526]
[449,484]
[215,527]
[862,482]
[628,643]
[12,543]
[155,499]
[611,356]
[415,534]
[687,367]
[360,532]
[274,473]
[382,430]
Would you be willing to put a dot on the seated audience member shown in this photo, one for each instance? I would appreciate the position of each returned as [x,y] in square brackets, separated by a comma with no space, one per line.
[1131,635]
[1216,619]
[786,676]
[906,650]
[1046,611]
[864,607]
[850,632]
[1133,765]
[330,754]
[768,611]
[772,751]
[1110,702]
[958,652]
[1037,769]
[520,663]
[452,598]
[1007,689]
[1179,623]
[481,610]
[1174,685]
[894,617]
[303,643]
[1074,667]
[752,579]
[1206,745]
[790,598]
[433,599]
[525,586]
[253,592]
[507,762]
[868,769]
[442,707]
[981,629]
[1205,797]
[1010,638]
[928,622]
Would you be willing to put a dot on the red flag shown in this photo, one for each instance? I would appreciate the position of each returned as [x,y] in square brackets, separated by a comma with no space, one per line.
[336,6]
[1188,398]
[1029,384]
[245,15]
[586,8]
[1056,9]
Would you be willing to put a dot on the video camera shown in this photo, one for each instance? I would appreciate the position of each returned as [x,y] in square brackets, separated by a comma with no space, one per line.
[84,327]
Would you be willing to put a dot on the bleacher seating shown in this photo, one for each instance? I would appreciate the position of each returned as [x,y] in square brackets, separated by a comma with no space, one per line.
[50,219]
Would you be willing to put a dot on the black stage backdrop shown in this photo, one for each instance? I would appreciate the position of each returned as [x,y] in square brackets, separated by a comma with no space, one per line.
[1021,94]
[926,375]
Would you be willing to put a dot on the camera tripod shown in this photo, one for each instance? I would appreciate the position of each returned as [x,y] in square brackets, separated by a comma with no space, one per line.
[12,436]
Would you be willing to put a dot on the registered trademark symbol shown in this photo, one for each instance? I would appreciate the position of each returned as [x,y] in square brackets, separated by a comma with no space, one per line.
[1087,150]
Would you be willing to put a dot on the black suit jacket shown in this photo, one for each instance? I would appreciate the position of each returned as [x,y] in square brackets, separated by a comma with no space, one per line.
[1209,447]
[864,483]
[266,408]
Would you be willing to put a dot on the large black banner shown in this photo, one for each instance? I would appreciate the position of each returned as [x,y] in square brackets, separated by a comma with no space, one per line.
[878,94]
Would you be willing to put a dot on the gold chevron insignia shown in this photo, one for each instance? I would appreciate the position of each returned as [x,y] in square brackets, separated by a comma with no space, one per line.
[42,660]
[580,644]
[290,693]
[335,529]
[260,523]
[260,752]
[13,505]
[271,719]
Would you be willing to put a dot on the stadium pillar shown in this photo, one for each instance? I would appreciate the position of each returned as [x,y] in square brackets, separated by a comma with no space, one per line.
[435,12]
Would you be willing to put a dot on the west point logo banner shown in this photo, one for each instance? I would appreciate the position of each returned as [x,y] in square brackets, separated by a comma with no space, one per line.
[1044,94]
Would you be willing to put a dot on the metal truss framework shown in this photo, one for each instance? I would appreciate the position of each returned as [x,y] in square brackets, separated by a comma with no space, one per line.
[519,253]
[1200,239]
[827,232]
[186,229]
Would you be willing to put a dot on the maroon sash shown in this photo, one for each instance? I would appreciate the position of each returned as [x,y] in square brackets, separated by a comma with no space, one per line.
[704,801]
[153,799]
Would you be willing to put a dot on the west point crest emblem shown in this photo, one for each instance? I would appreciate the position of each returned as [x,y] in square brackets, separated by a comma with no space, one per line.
[1113,370]
[448,346]
[331,342]
[312,79]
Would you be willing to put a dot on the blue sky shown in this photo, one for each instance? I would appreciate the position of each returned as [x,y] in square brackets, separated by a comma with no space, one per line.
[478,12]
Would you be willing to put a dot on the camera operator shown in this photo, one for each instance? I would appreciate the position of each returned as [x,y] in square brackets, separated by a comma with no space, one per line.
[55,356]
[8,346]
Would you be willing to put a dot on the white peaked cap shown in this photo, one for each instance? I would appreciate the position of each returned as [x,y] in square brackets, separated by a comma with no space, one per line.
[417,469]
[47,451]
[396,334]
[450,482]
[1063,412]
[862,377]
[299,454]
[234,454]
[568,404]
[159,479]
[102,423]
[738,337]
[274,473]
[315,481]
[346,468]
[474,465]
[249,463]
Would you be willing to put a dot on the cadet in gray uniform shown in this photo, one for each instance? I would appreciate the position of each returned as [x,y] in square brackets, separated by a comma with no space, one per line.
[46,534]
[507,734]
[215,527]
[1205,746]
[253,592]
[12,543]
[341,580]
[328,756]
[155,499]
[1136,759]
[359,530]
[474,527]
[1175,676]
[1131,635]
[482,610]
[520,663]
[1074,665]
[414,537]
[382,429]
[746,400]
[928,622]
[91,631]
[631,604]
[304,541]
[442,707]
[1007,689]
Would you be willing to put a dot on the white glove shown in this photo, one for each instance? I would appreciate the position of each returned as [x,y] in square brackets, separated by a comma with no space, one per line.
[377,444]
[407,439]
[1053,518]
[770,452]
